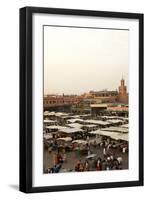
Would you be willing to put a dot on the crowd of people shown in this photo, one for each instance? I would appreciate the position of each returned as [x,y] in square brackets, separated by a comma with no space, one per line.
[107,152]
[107,160]
[108,163]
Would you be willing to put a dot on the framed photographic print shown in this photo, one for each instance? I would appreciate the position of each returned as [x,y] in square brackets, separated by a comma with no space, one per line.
[81,99]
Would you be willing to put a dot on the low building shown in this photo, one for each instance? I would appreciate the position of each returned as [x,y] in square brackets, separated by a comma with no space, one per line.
[60,100]
[106,96]
[82,104]
[96,108]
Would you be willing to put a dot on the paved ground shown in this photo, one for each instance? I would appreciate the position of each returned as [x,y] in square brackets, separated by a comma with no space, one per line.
[73,156]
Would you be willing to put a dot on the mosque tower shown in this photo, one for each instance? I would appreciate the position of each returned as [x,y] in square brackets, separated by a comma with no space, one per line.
[122,92]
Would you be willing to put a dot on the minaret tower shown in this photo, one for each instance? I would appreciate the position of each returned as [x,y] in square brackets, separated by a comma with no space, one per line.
[122,92]
[122,87]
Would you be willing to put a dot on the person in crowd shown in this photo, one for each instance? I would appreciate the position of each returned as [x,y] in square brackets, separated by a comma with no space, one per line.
[55,160]
[93,163]
[77,166]
[115,164]
[104,164]
[81,167]
[112,157]
[108,146]
[124,148]
[107,167]
[50,149]
[86,166]
[55,146]
[59,158]
[89,151]
[64,157]
[104,152]
[99,165]
[56,168]
[119,160]
[50,170]
[94,144]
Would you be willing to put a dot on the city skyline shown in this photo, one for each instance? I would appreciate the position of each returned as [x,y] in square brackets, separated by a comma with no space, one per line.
[86,91]
[81,60]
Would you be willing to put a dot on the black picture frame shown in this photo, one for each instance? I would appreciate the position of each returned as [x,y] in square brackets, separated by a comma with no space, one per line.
[26,99]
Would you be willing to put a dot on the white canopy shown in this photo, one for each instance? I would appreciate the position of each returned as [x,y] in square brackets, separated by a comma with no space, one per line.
[49,121]
[79,141]
[115,121]
[66,139]
[75,125]
[71,130]
[125,125]
[55,127]
[114,135]
[98,122]
[75,120]
[60,114]
[120,137]
[57,114]
[90,125]
[114,117]
[116,129]
[100,132]
[74,116]
[109,117]
[48,136]
[47,113]
[124,118]
[85,115]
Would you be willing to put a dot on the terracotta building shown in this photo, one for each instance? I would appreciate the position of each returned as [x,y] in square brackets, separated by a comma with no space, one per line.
[105,96]
[59,100]
[122,93]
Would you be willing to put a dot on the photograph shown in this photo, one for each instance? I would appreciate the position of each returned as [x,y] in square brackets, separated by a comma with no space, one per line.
[81,99]
[85,99]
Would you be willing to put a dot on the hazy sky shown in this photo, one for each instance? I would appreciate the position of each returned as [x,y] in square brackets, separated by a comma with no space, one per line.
[77,60]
